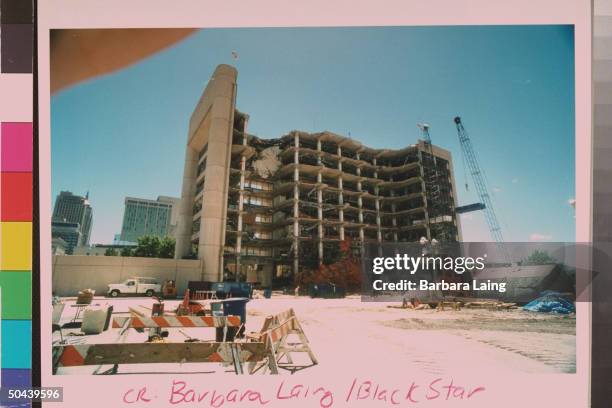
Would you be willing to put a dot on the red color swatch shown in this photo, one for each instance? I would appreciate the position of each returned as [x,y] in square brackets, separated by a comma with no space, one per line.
[16,197]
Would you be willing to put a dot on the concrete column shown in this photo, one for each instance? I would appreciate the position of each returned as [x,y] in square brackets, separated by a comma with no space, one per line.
[238,248]
[320,215]
[296,209]
[424,190]
[340,196]
[341,211]
[185,220]
[379,231]
[319,152]
[377,205]
[240,210]
[393,209]
[359,205]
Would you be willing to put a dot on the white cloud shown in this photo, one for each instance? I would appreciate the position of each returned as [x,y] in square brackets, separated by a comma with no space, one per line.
[515,180]
[540,237]
[572,202]
[497,190]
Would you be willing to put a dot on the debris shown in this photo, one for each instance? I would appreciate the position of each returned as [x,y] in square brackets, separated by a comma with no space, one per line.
[452,305]
[85,296]
[267,162]
[189,307]
[93,320]
[551,302]
[189,338]
[169,289]
[258,294]
[490,305]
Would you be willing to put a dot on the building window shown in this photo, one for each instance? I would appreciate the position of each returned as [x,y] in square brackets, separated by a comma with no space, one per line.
[263,235]
[254,251]
[260,201]
[203,151]
[263,219]
[258,185]
[199,187]
[202,167]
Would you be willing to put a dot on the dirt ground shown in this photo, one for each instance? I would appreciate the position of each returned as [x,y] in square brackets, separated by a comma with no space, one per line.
[346,333]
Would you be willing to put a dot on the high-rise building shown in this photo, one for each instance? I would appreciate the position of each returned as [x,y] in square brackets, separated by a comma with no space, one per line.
[74,209]
[265,208]
[69,232]
[148,217]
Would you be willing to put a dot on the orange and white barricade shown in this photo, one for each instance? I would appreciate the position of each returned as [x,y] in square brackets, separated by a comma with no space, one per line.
[120,352]
[147,353]
[141,322]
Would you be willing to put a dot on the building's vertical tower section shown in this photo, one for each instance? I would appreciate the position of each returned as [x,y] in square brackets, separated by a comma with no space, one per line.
[424,190]
[241,198]
[440,197]
[319,204]
[360,203]
[340,194]
[296,203]
[206,174]
[186,211]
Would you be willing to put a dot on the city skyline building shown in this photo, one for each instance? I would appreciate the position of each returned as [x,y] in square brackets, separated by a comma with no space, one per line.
[69,233]
[264,209]
[148,217]
[73,209]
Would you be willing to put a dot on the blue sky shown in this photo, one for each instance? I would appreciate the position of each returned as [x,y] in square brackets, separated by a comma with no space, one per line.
[124,134]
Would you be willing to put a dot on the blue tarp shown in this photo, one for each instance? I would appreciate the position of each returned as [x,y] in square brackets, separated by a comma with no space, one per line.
[550,302]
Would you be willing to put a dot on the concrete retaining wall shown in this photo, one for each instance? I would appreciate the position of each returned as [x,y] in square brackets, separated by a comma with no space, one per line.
[74,273]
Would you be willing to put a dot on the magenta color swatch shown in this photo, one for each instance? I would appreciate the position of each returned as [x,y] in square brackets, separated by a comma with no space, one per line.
[16,146]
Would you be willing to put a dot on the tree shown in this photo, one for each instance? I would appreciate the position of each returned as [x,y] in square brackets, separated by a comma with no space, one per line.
[126,251]
[110,252]
[344,271]
[166,247]
[538,257]
[148,246]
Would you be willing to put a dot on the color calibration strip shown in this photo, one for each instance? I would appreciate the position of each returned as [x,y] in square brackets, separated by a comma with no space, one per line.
[16,148]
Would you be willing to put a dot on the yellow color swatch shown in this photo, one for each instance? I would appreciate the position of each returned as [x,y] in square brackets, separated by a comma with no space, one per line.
[16,254]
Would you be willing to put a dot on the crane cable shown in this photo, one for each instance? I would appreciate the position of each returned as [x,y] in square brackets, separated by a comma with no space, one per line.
[465,177]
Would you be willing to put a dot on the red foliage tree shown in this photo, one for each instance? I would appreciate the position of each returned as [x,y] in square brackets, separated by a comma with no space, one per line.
[346,272]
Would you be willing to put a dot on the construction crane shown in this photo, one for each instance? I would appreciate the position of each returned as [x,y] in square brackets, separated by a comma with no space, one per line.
[479,178]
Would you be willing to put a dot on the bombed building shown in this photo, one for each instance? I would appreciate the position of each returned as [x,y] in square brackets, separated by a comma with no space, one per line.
[265,209]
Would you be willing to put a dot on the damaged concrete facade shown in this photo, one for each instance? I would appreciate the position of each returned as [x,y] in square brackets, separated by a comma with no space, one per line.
[268,208]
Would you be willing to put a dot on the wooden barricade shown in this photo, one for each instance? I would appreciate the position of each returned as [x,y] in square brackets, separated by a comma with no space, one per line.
[269,348]
[141,322]
[144,353]
[147,353]
[274,335]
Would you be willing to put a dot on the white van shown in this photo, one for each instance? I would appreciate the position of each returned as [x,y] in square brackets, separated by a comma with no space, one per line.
[134,286]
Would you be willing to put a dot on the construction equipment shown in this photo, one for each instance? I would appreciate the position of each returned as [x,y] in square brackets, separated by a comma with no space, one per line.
[469,208]
[479,178]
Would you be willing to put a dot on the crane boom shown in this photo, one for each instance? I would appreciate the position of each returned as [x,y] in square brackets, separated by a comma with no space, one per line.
[479,181]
